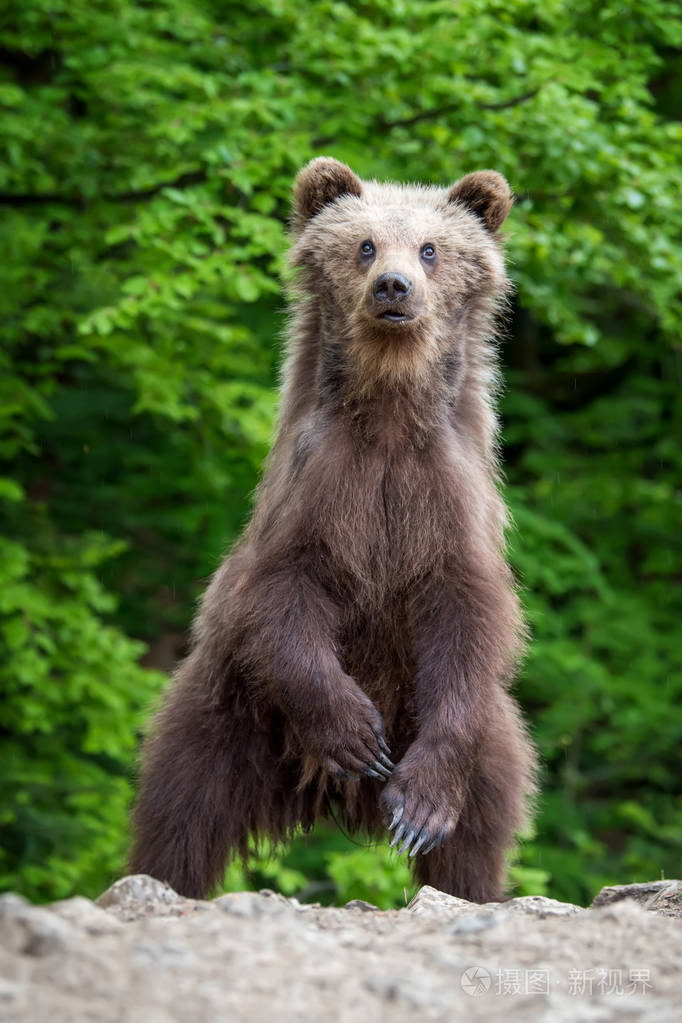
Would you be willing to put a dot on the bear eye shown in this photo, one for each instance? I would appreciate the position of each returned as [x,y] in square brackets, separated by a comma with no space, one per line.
[367,248]
[428,251]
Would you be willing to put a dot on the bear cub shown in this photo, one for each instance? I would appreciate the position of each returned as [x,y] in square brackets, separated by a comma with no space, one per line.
[352,656]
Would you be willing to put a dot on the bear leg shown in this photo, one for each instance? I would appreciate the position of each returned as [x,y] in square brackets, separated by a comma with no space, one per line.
[212,778]
[473,863]
[470,866]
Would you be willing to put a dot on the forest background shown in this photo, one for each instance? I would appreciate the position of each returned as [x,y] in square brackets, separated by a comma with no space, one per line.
[148,151]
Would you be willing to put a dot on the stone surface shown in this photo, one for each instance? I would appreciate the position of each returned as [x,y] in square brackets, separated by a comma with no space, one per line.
[143,954]
[664,897]
[429,901]
[139,896]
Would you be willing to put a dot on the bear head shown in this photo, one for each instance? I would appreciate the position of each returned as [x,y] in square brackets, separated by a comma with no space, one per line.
[401,275]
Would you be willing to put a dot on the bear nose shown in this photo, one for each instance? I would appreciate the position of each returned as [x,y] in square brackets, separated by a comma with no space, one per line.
[391,287]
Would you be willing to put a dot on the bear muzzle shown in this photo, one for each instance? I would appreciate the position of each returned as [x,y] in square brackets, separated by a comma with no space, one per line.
[392,299]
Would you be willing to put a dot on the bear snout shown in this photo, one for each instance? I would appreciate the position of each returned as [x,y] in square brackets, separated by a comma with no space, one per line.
[391,298]
[391,287]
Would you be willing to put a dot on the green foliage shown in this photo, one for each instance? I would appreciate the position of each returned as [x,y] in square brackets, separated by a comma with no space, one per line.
[328,867]
[72,692]
[147,157]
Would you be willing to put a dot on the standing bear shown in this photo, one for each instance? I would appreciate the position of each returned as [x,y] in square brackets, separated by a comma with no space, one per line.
[352,655]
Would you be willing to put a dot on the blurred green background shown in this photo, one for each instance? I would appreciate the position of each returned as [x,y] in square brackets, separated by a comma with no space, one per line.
[148,151]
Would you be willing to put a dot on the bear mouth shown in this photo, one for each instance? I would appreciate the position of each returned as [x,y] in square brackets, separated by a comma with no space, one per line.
[393,317]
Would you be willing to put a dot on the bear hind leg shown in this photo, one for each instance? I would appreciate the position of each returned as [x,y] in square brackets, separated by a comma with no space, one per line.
[211,781]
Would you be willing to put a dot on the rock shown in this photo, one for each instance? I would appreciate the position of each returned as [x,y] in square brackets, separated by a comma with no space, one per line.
[471,922]
[9,902]
[664,897]
[428,902]
[31,930]
[86,916]
[250,904]
[138,889]
[139,896]
[364,907]
[539,905]
[13,999]
[144,954]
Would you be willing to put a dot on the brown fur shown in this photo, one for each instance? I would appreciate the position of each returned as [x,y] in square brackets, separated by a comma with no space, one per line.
[369,597]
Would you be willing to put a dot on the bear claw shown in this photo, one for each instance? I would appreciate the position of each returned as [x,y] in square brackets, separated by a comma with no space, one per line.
[384,747]
[424,837]
[433,845]
[383,770]
[409,839]
[396,817]
[402,828]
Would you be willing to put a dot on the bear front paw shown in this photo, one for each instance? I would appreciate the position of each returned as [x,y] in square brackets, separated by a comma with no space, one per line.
[352,742]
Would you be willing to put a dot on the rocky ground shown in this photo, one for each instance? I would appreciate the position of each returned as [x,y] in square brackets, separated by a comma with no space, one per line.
[142,954]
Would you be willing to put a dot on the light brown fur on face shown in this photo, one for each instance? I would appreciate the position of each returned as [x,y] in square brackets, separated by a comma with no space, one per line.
[467,276]
[369,604]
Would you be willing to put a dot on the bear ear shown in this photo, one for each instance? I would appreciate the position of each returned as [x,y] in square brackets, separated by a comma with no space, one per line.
[486,194]
[319,183]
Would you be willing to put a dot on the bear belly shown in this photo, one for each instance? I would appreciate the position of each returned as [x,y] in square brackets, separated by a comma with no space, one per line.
[375,650]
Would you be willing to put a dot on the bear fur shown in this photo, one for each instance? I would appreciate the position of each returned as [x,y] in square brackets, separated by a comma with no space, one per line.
[367,617]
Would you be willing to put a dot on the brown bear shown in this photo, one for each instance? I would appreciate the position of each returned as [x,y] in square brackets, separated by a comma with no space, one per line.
[352,655]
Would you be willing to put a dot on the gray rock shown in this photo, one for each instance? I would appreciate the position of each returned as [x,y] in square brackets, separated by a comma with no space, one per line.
[539,905]
[137,890]
[250,904]
[9,903]
[428,902]
[471,923]
[257,956]
[664,897]
[31,930]
[139,895]
[86,916]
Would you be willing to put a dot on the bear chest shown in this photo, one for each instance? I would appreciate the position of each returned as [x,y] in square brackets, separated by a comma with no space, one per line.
[388,514]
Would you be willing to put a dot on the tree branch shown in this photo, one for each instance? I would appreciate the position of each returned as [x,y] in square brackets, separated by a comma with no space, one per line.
[436,112]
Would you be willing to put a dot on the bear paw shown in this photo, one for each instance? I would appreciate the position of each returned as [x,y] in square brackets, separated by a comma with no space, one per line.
[352,742]
[418,809]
